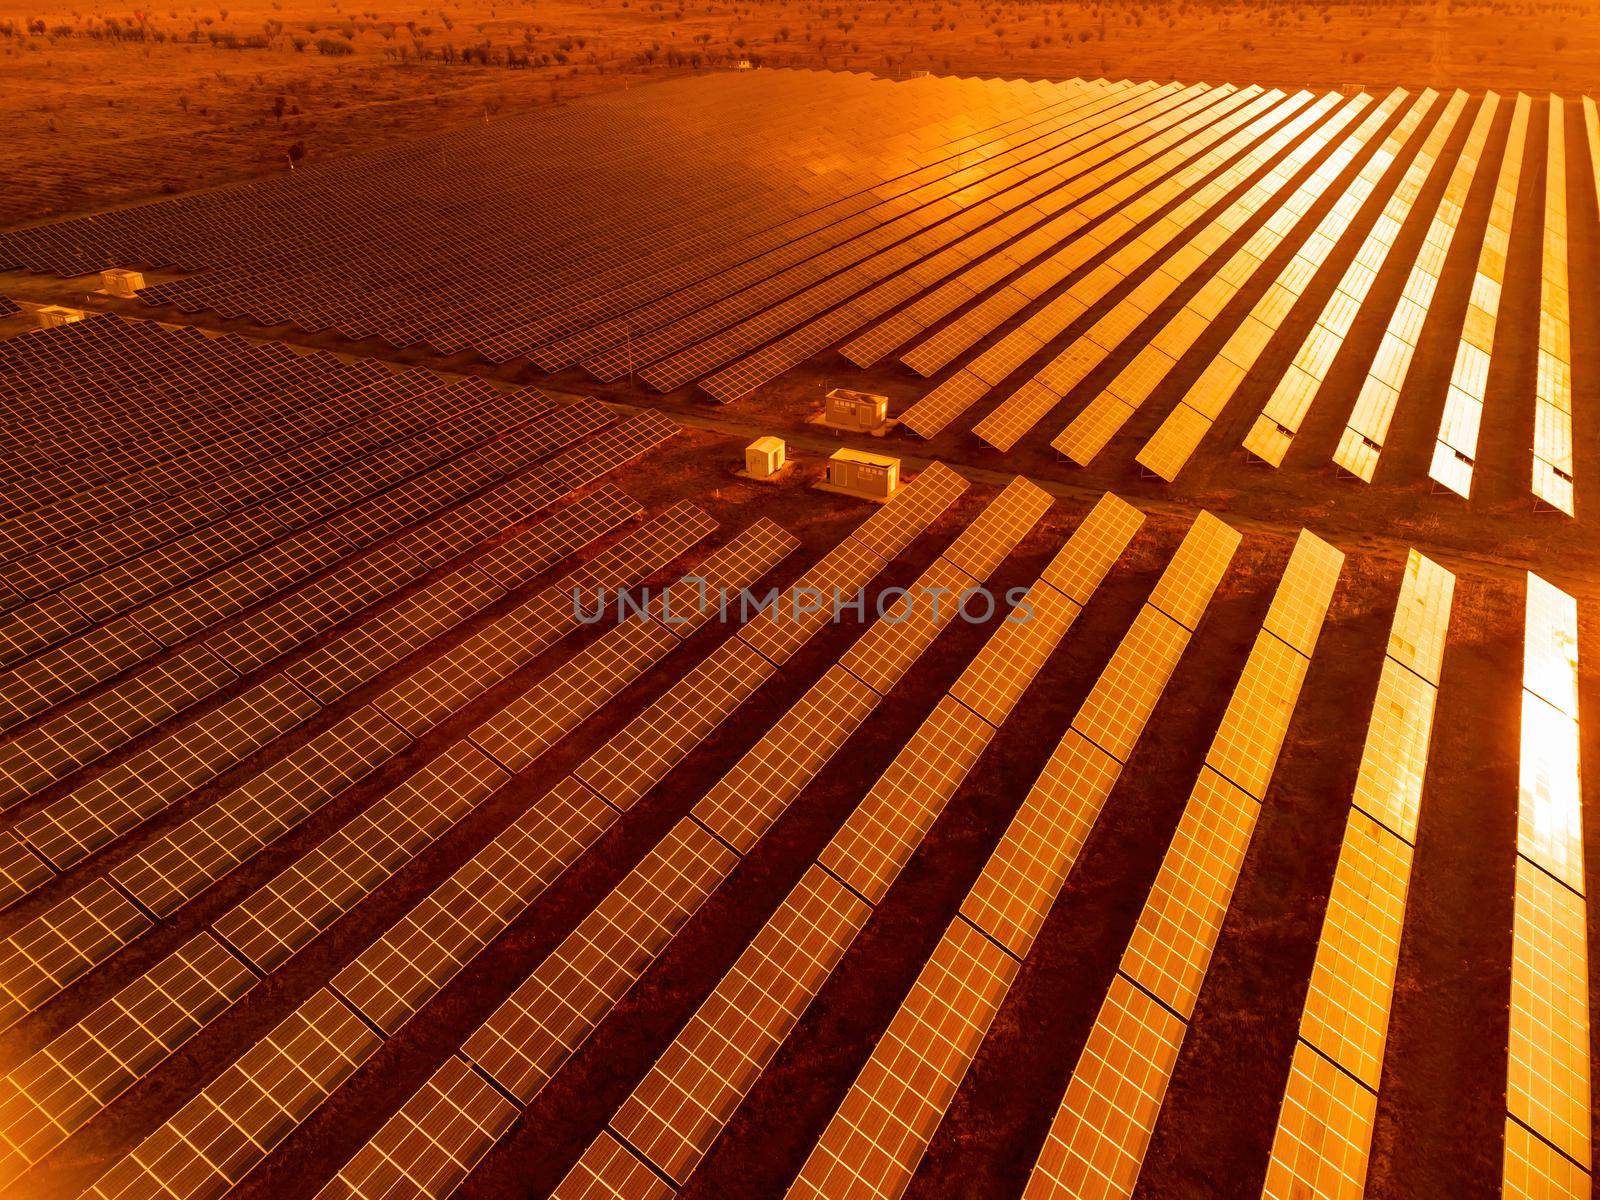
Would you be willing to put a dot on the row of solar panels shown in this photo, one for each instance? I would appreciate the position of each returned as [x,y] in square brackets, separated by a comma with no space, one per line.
[983,231]
[892,1110]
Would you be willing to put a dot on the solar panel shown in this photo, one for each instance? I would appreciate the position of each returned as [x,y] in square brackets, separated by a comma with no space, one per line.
[608,1171]
[1170,948]
[390,980]
[1549,1067]
[1197,567]
[1534,1168]
[62,944]
[1245,750]
[21,870]
[1368,427]
[889,823]
[687,604]
[891,1107]
[893,527]
[545,1018]
[642,753]
[1104,533]
[556,1007]
[1552,416]
[1455,452]
[318,531]
[981,547]
[1298,388]
[56,675]
[677,1111]
[557,704]
[744,803]
[1395,757]
[1103,1128]
[285,913]
[1109,1112]
[1170,447]
[1201,127]
[212,1142]
[1324,1132]
[780,630]
[1347,1006]
[1324,1128]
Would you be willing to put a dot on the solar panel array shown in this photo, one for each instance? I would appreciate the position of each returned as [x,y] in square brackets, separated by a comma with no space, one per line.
[1109,411]
[1549,1130]
[395,555]
[1455,452]
[544,1020]
[879,1132]
[1171,446]
[1097,1142]
[677,1111]
[1368,426]
[303,730]
[1297,390]
[1324,1133]
[1000,237]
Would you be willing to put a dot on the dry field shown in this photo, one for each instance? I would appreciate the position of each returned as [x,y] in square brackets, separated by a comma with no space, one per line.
[104,105]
